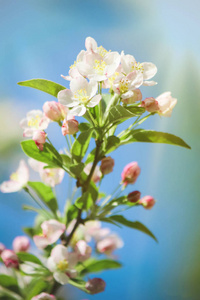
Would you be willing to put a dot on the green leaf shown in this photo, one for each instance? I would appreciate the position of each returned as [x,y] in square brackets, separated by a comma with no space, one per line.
[80,145]
[7,281]
[29,231]
[106,99]
[71,213]
[94,266]
[45,193]
[151,136]
[44,85]
[112,143]
[85,201]
[135,225]
[24,256]
[118,113]
[76,169]
[79,283]
[84,126]
[31,208]
[36,287]
[30,149]
[66,160]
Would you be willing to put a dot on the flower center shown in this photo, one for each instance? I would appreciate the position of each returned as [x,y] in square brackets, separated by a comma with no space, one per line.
[137,67]
[81,95]
[101,51]
[123,86]
[34,121]
[62,265]
[99,66]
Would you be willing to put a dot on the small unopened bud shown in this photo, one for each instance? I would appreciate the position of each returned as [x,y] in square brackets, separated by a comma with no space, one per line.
[95,285]
[44,296]
[2,248]
[137,96]
[147,202]
[130,173]
[10,259]
[21,244]
[107,164]
[39,138]
[134,196]
[150,104]
[55,111]
[70,127]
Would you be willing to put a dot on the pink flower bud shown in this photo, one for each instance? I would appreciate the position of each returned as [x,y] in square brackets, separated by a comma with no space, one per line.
[21,244]
[39,138]
[137,96]
[107,164]
[130,173]
[70,127]
[2,248]
[134,196]
[55,111]
[44,296]
[166,104]
[10,259]
[150,104]
[108,244]
[147,202]
[95,285]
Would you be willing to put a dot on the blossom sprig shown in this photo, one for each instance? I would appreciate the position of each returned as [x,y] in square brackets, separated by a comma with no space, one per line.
[105,88]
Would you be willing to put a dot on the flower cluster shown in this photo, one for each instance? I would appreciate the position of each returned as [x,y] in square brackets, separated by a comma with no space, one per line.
[70,244]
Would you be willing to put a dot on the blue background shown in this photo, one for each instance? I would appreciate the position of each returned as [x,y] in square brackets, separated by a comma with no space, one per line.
[40,39]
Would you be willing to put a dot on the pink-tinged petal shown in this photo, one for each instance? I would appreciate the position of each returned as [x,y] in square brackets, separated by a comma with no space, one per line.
[94,101]
[79,110]
[23,123]
[92,88]
[59,253]
[81,55]
[28,132]
[34,113]
[127,95]
[136,79]
[22,173]
[90,44]
[61,277]
[85,69]
[40,241]
[78,84]
[127,61]
[10,186]
[44,123]
[65,98]
[112,58]
[66,77]
[149,83]
[36,165]
[149,70]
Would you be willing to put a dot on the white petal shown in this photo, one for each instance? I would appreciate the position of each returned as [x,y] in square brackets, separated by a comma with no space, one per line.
[149,83]
[28,132]
[61,277]
[78,84]
[149,70]
[94,101]
[51,265]
[22,173]
[65,97]
[92,88]
[34,113]
[24,123]
[127,61]
[59,253]
[79,110]
[90,44]
[85,68]
[10,186]
[40,241]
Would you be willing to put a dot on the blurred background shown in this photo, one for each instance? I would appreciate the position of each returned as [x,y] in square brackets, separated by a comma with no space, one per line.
[40,39]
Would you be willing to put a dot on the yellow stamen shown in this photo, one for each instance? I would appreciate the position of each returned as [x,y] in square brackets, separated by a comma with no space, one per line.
[137,67]
[123,86]
[14,176]
[112,78]
[34,122]
[81,95]
[99,66]
[62,265]
[101,51]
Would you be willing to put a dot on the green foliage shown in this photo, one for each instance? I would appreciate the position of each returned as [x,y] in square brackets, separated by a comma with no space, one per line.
[118,113]
[79,283]
[81,144]
[28,257]
[151,136]
[112,143]
[44,85]
[45,194]
[49,155]
[85,201]
[76,169]
[95,266]
[35,287]
[135,225]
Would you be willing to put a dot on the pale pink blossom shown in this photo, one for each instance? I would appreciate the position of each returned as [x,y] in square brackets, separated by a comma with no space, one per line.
[166,104]
[146,69]
[61,263]
[73,72]
[130,173]
[96,174]
[134,196]
[81,94]
[107,165]
[98,67]
[44,296]
[51,232]
[18,180]
[125,85]
[2,247]
[10,259]
[95,285]
[108,244]
[50,176]
[92,47]
[150,104]
[147,201]
[70,127]
[39,137]
[35,120]
[137,96]
[83,250]
[21,244]
[55,111]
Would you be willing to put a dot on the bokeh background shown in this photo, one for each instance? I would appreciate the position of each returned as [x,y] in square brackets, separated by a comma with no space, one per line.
[40,39]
